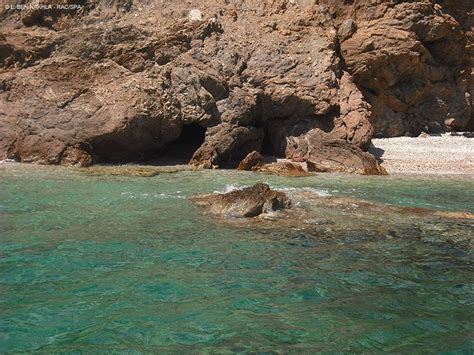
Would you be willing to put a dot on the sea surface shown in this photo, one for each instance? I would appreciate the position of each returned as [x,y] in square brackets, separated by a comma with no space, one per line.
[105,263]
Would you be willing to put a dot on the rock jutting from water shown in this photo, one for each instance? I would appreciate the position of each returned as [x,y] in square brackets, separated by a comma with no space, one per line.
[304,80]
[307,211]
[248,202]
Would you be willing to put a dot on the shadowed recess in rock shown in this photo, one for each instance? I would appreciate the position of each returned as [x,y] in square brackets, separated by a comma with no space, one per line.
[182,150]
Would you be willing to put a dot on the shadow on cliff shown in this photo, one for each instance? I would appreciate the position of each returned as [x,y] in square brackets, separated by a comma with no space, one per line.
[377,152]
[181,150]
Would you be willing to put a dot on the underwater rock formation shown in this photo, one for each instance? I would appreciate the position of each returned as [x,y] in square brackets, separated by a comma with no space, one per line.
[329,217]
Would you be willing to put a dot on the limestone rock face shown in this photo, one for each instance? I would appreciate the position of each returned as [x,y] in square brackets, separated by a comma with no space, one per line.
[248,202]
[121,82]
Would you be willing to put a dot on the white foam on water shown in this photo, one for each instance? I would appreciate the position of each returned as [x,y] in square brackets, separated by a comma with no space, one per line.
[319,192]
[230,188]
[270,215]
[160,196]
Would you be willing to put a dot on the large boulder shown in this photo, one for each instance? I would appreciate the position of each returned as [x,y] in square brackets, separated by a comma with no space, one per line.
[248,202]
[227,143]
[325,154]
[253,161]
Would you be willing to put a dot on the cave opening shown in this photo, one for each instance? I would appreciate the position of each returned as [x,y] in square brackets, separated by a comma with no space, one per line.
[182,149]
[274,139]
[268,148]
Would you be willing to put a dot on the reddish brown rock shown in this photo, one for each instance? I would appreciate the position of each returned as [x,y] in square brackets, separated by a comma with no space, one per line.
[226,143]
[285,168]
[248,202]
[411,61]
[353,123]
[124,90]
[325,154]
[253,161]
[119,83]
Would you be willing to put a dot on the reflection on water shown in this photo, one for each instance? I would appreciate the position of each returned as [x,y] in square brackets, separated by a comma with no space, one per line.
[100,263]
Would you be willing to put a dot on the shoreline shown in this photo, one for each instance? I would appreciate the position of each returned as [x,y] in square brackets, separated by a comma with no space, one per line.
[432,155]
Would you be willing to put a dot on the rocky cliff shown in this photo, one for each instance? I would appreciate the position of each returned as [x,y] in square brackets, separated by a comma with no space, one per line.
[91,81]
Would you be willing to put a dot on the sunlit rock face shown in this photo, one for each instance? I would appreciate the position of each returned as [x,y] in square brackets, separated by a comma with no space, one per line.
[120,83]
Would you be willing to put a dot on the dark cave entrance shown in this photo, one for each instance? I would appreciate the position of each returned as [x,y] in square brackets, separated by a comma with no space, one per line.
[182,149]
[267,146]
[274,140]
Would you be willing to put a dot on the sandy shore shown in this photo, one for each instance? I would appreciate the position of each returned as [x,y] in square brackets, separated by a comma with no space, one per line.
[431,155]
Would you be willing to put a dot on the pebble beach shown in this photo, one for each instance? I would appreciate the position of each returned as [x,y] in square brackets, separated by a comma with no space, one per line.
[444,154]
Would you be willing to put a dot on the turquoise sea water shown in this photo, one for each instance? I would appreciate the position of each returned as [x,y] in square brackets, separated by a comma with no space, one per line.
[127,264]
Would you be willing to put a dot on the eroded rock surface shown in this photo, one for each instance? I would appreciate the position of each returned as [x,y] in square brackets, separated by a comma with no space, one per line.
[248,202]
[227,143]
[325,154]
[412,60]
[253,161]
[120,82]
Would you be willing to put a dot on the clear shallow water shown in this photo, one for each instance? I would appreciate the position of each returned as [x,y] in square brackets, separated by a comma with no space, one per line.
[116,263]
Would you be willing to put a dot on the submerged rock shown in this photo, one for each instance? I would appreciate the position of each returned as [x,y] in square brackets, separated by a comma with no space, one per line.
[248,202]
[324,216]
[131,170]
[285,168]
